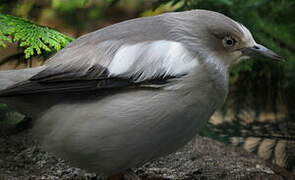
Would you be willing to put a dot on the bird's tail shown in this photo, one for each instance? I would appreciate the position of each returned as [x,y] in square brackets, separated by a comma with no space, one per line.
[11,77]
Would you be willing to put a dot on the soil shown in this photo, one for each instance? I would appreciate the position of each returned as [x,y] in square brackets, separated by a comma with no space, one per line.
[203,158]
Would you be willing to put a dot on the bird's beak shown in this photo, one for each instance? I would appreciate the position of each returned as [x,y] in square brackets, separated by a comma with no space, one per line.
[260,51]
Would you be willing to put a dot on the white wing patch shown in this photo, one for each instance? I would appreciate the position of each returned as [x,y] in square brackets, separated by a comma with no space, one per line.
[150,59]
[124,59]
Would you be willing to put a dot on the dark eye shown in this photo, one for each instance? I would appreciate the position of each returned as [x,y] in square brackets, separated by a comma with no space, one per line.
[229,42]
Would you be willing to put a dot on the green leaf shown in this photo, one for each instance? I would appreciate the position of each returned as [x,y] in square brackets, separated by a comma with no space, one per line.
[68,5]
[34,38]
[226,2]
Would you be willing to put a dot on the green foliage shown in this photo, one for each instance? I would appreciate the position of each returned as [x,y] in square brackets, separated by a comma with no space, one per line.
[243,66]
[34,38]
[8,117]
[207,131]
[68,5]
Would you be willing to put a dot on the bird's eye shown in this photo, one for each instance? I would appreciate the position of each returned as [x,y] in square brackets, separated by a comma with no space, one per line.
[229,42]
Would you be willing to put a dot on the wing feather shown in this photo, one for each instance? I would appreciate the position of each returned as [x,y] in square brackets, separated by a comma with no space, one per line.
[34,87]
[140,64]
[62,87]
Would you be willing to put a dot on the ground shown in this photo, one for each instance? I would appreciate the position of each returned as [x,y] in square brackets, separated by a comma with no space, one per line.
[203,158]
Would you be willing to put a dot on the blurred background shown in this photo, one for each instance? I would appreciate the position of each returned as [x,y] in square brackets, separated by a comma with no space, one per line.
[259,114]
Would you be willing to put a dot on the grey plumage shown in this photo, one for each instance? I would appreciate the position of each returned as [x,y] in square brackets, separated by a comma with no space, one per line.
[8,78]
[109,127]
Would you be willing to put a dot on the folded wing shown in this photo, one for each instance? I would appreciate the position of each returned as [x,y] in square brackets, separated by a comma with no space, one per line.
[110,64]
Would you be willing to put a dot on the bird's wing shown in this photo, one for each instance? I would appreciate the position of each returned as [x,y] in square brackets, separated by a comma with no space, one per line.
[111,64]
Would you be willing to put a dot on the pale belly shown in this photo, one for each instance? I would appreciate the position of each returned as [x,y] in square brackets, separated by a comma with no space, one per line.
[111,134]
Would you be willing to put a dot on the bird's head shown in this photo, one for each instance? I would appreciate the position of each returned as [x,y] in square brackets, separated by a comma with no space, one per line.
[220,36]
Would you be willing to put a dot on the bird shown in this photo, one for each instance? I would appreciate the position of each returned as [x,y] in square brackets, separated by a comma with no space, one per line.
[131,92]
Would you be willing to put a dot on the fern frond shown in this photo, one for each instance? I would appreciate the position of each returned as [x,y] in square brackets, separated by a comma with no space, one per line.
[34,38]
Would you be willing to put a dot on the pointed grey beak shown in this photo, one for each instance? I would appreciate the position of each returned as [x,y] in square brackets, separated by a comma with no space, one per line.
[260,51]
